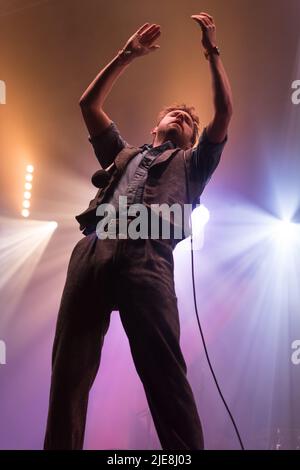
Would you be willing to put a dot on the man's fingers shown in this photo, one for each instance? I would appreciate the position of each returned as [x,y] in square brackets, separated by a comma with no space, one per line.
[206,21]
[150,30]
[206,14]
[152,37]
[148,33]
[200,21]
[142,28]
[204,18]
[153,48]
[145,38]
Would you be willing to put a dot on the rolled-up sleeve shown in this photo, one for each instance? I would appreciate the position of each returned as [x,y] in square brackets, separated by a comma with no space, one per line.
[206,156]
[107,145]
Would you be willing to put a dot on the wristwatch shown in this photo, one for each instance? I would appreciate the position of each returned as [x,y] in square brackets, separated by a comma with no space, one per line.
[124,56]
[212,51]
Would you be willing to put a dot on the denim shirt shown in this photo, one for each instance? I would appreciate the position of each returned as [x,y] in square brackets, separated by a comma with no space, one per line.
[132,181]
[205,158]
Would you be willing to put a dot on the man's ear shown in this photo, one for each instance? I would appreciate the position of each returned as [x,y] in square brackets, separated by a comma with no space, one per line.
[154,130]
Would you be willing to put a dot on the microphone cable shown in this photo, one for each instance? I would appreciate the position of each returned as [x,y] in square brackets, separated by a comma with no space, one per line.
[198,320]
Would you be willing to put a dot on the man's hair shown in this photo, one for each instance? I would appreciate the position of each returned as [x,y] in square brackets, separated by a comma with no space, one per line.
[183,107]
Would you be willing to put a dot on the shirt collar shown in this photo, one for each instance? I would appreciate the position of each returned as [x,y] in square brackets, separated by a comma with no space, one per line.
[160,148]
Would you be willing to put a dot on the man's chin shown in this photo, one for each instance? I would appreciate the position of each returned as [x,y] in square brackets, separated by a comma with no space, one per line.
[174,133]
[179,142]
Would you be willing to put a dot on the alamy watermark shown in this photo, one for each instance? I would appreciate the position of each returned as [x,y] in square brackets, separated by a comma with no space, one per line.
[2,352]
[157,221]
[2,92]
[295,97]
[2,343]
[295,357]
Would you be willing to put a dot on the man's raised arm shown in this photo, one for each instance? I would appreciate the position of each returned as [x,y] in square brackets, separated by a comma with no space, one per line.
[92,100]
[217,128]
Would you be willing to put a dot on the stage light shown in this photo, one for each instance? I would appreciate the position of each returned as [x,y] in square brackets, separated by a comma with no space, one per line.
[30,168]
[27,193]
[53,225]
[25,212]
[286,231]
[200,216]
[22,244]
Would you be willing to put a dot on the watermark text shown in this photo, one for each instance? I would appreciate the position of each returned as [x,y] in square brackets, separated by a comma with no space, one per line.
[295,357]
[2,352]
[295,97]
[2,92]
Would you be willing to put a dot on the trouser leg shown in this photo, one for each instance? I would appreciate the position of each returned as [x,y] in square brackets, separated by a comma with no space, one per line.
[82,323]
[149,314]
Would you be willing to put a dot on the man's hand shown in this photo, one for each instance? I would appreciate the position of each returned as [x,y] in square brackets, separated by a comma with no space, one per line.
[217,129]
[141,42]
[206,22]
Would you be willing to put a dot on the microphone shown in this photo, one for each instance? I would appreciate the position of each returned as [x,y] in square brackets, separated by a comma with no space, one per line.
[101,178]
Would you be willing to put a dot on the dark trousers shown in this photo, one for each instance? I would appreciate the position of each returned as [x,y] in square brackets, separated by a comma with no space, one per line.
[135,277]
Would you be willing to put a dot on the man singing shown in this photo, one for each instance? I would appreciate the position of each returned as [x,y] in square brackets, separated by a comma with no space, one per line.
[135,276]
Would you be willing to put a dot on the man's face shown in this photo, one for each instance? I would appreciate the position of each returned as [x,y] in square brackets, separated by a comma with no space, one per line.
[177,126]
